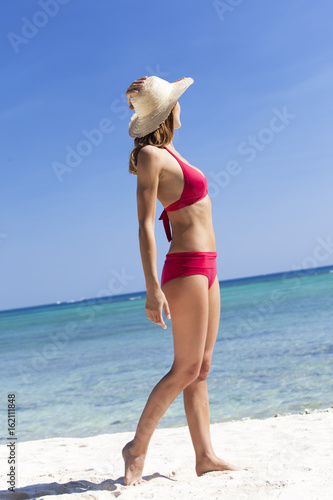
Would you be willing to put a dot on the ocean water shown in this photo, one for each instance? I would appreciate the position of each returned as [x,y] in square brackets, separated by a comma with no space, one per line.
[86,368]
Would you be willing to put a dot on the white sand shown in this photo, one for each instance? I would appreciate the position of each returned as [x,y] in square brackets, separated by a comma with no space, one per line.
[290,457]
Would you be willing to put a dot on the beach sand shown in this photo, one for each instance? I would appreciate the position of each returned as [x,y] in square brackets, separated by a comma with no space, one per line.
[289,457]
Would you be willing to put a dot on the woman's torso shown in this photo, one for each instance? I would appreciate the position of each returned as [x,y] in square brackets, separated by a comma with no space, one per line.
[192,227]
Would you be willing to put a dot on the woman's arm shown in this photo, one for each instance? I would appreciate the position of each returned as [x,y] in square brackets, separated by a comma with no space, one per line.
[148,171]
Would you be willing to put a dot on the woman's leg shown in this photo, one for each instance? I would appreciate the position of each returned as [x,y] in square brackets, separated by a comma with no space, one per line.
[196,401]
[188,302]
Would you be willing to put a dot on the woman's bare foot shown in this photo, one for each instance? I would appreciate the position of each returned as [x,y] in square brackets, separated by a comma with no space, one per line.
[213,463]
[133,466]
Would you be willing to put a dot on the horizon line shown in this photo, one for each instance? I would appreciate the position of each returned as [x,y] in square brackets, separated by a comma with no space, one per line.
[290,274]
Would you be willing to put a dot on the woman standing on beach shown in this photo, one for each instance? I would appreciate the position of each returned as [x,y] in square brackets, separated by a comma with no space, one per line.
[189,289]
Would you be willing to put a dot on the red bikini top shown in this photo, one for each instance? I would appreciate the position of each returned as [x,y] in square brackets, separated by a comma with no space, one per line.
[195,188]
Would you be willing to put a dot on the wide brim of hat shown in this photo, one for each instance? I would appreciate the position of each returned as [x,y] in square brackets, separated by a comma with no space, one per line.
[139,127]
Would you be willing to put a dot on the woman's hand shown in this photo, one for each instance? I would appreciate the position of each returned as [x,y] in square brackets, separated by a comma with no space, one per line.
[134,89]
[156,301]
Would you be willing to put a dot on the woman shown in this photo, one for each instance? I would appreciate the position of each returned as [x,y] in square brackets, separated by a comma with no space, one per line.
[189,289]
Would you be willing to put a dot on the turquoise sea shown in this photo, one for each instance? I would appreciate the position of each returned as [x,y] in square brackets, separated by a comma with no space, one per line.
[86,368]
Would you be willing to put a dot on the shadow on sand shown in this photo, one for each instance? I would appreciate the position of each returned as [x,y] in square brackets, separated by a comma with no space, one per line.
[80,486]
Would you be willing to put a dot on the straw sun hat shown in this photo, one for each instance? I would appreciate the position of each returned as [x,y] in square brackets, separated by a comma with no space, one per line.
[153,103]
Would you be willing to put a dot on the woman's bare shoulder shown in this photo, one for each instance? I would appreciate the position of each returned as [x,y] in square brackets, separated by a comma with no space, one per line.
[150,155]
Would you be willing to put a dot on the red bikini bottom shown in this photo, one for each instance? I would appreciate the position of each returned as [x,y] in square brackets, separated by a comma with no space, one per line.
[187,263]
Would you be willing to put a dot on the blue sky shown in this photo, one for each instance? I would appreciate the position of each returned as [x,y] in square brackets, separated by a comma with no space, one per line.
[257,121]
